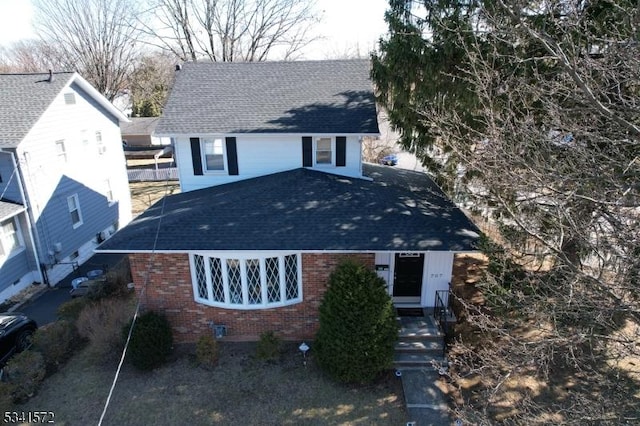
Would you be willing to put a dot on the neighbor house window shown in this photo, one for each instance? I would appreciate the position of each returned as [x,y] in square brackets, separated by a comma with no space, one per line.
[101,147]
[213,155]
[109,191]
[74,210]
[10,238]
[323,151]
[61,151]
[246,282]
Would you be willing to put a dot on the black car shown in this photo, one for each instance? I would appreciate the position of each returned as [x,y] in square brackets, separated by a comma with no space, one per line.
[15,334]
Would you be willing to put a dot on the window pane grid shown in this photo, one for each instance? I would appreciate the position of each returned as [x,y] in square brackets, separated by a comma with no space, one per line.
[253,281]
[235,281]
[291,276]
[201,278]
[273,279]
[217,285]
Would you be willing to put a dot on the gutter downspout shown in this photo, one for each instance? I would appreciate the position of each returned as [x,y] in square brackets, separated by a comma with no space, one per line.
[35,241]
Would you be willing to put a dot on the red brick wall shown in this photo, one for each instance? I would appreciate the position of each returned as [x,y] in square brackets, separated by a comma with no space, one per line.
[169,290]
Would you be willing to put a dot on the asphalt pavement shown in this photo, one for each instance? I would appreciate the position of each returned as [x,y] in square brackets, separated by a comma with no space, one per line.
[43,306]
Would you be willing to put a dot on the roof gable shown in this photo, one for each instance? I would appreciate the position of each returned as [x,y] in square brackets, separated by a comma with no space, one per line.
[303,209]
[139,126]
[25,97]
[271,97]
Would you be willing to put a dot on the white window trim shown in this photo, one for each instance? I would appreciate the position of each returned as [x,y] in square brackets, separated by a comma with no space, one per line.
[102,148]
[62,154]
[79,210]
[261,256]
[203,150]
[21,246]
[111,200]
[333,151]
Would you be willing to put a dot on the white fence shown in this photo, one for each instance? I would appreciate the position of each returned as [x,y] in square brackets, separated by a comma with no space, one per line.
[149,175]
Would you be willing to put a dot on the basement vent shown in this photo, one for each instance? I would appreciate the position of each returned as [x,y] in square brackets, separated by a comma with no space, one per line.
[69,98]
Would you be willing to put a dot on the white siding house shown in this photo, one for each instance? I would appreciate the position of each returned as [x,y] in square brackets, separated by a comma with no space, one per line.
[259,155]
[61,143]
[275,195]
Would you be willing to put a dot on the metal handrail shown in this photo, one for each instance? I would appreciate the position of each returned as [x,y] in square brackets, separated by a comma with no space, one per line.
[442,310]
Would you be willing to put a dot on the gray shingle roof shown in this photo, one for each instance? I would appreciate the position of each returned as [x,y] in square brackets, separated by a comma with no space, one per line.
[9,209]
[271,97]
[139,126]
[303,209]
[23,99]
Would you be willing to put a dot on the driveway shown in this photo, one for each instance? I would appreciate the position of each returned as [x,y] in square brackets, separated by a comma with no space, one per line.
[43,308]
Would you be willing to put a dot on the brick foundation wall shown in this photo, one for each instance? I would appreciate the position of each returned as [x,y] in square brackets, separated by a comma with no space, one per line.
[169,290]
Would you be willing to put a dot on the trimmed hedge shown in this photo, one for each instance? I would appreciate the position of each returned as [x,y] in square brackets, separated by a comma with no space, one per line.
[358,328]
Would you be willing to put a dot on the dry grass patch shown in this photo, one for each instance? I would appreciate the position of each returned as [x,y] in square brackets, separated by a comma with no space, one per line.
[145,194]
[240,390]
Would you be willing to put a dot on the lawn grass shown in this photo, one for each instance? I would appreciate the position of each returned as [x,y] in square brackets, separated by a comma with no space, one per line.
[145,194]
[240,390]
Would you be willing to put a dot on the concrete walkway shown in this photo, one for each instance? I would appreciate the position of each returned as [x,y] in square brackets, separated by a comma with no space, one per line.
[419,350]
[426,404]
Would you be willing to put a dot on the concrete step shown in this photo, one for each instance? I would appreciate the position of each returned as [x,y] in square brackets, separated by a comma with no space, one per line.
[422,327]
[419,345]
[413,359]
[419,333]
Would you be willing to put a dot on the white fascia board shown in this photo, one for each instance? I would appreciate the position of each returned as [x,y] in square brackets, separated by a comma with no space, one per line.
[246,253]
[265,135]
[87,87]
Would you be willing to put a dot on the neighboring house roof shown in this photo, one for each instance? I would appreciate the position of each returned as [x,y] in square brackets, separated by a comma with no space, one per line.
[302,209]
[139,126]
[9,209]
[25,97]
[271,97]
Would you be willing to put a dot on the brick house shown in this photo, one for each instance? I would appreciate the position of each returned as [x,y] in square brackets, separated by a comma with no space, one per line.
[275,195]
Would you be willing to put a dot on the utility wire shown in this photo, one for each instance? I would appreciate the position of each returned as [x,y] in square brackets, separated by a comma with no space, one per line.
[4,191]
[137,311]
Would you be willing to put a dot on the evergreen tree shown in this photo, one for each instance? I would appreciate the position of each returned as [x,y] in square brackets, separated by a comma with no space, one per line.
[358,329]
[533,109]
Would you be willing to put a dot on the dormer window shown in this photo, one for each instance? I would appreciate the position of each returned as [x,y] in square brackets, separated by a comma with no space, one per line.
[324,151]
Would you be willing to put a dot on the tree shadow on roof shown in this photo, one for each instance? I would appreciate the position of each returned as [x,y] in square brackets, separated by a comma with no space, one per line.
[351,112]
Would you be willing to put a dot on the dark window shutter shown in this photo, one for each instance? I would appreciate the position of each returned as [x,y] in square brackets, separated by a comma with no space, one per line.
[196,156]
[232,156]
[307,151]
[341,151]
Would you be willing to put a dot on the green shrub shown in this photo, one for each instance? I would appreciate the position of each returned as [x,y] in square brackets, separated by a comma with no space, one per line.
[70,310]
[268,347]
[358,329]
[151,340]
[101,324]
[207,351]
[24,373]
[56,342]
